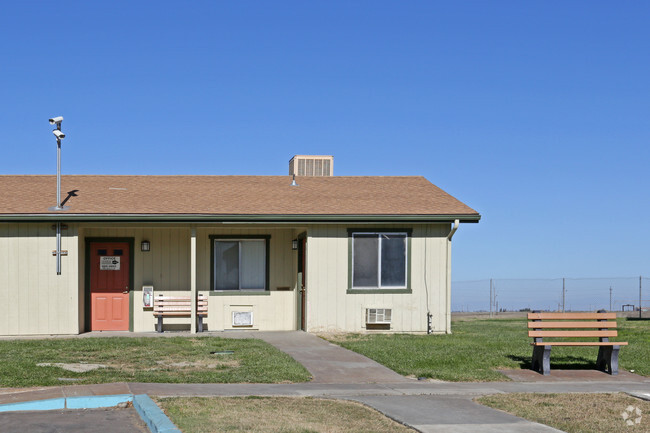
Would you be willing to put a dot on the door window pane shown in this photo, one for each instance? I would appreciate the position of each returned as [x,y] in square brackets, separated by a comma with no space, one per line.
[393,260]
[365,254]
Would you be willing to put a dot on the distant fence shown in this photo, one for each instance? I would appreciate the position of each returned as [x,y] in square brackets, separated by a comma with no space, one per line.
[556,294]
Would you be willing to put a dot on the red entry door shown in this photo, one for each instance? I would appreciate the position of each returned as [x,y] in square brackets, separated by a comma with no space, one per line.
[109,286]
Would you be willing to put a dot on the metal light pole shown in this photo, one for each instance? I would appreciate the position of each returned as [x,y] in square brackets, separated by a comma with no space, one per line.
[59,136]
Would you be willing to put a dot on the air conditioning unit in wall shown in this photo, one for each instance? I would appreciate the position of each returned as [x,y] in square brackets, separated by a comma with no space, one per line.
[378,316]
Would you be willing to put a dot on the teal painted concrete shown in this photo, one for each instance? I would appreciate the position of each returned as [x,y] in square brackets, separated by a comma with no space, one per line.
[151,414]
[50,404]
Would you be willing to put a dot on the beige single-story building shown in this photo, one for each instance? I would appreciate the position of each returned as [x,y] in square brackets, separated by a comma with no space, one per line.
[317,253]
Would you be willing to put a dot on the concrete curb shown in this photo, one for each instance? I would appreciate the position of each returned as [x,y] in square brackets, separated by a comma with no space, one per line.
[153,416]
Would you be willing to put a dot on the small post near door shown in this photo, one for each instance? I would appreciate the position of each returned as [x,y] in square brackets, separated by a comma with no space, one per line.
[302,278]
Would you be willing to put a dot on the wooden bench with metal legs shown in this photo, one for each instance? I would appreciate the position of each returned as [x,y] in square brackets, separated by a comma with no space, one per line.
[601,325]
[179,306]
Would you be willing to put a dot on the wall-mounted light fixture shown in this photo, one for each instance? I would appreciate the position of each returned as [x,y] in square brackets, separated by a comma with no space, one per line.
[145,246]
[294,244]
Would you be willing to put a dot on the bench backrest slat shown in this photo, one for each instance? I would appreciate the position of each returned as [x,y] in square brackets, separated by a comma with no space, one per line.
[599,334]
[571,316]
[170,304]
[569,325]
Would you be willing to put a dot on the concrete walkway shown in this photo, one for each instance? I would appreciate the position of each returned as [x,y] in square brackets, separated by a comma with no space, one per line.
[327,362]
[428,406]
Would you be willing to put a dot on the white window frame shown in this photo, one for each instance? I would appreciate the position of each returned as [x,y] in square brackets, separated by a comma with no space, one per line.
[379,285]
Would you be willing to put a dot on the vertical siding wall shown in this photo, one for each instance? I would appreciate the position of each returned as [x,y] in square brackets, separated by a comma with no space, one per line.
[330,308]
[276,310]
[167,268]
[33,298]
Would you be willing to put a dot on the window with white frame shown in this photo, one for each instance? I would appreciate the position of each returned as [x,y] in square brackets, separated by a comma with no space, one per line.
[239,264]
[379,260]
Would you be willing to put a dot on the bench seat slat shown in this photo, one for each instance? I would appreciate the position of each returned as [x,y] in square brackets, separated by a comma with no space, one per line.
[570,316]
[580,343]
[177,314]
[566,325]
[571,334]
[175,303]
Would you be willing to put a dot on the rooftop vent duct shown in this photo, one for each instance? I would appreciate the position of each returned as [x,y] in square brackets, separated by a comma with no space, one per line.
[311,165]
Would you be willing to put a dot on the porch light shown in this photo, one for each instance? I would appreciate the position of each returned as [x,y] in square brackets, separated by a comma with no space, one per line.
[294,244]
[145,246]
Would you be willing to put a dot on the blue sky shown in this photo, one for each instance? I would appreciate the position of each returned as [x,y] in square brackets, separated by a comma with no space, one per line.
[536,114]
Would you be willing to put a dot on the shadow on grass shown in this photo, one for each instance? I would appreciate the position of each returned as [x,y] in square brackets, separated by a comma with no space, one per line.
[638,319]
[562,362]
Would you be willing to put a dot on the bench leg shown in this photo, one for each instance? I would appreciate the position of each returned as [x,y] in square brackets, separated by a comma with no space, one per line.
[542,359]
[608,359]
[200,323]
[159,324]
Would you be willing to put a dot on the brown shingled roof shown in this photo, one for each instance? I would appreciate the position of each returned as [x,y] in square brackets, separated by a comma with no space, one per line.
[230,195]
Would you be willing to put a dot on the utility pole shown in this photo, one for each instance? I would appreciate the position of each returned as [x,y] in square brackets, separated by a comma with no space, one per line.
[610,298]
[563,294]
[640,306]
[491,297]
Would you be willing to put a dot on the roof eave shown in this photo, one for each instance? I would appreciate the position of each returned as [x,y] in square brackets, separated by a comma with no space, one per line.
[215,218]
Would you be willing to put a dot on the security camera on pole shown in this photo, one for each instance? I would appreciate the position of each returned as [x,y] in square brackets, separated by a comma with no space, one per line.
[59,136]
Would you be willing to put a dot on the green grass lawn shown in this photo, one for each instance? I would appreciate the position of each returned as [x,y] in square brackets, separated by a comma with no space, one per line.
[170,360]
[477,348]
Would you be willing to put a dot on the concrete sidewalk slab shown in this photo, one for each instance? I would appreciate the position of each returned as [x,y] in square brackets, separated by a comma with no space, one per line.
[527,375]
[327,362]
[450,415]
[413,388]
[112,420]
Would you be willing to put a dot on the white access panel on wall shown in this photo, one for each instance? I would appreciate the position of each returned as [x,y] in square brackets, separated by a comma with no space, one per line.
[242,319]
